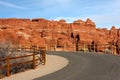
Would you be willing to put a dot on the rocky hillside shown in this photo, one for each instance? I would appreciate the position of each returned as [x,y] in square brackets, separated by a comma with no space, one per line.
[57,34]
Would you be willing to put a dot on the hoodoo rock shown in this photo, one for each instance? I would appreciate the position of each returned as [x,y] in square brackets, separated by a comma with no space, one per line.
[56,35]
[90,23]
[79,22]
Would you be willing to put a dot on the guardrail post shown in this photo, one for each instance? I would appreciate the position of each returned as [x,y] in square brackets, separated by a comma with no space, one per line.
[46,46]
[111,49]
[65,46]
[34,64]
[115,50]
[37,47]
[94,47]
[104,47]
[8,66]
[74,47]
[44,57]
[84,48]
[55,48]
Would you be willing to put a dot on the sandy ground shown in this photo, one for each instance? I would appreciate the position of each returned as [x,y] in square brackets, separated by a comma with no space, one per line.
[53,64]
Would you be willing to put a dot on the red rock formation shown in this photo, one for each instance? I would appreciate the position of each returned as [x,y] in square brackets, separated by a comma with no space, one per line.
[56,34]
[89,23]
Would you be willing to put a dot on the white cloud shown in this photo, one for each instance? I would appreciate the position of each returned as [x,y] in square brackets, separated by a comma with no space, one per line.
[11,5]
[106,18]
[111,20]
[101,20]
[68,19]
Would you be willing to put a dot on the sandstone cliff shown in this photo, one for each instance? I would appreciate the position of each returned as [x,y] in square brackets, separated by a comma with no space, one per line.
[55,34]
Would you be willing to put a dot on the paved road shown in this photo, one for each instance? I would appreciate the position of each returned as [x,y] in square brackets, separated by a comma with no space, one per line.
[86,67]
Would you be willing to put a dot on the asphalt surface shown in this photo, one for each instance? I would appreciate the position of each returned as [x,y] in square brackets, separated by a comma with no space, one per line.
[86,66]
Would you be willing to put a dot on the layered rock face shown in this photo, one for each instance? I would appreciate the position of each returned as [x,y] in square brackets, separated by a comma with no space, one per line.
[57,35]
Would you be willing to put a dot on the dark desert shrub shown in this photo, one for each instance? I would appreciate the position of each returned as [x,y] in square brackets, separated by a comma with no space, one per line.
[6,50]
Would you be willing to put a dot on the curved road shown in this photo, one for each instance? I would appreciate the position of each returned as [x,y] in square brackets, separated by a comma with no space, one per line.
[86,66]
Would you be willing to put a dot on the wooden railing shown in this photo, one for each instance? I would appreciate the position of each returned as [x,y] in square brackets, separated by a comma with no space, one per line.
[114,49]
[103,47]
[41,52]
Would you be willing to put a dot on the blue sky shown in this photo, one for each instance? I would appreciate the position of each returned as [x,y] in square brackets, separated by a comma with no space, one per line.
[105,13]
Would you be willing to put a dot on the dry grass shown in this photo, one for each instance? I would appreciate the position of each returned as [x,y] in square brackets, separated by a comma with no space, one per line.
[1,76]
[5,51]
